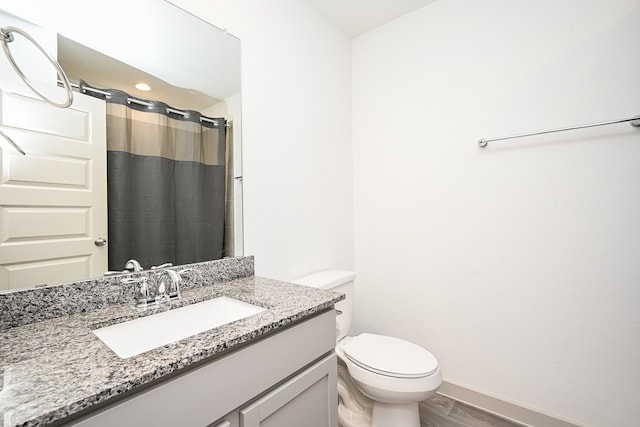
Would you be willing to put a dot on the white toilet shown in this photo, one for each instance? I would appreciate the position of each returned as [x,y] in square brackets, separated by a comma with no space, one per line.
[381,379]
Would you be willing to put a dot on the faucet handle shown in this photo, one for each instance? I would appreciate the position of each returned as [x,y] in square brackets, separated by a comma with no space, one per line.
[141,290]
[133,265]
[174,286]
[165,265]
[114,273]
[176,278]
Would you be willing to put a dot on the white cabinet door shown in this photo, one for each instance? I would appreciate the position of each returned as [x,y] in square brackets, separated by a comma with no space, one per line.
[309,399]
[230,420]
[53,200]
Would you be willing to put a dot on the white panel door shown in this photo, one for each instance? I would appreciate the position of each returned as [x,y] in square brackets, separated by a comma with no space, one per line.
[53,200]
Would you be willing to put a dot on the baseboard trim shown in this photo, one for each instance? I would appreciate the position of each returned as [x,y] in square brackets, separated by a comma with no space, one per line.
[509,411]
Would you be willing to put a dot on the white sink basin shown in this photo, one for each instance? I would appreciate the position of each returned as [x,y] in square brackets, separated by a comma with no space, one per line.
[146,333]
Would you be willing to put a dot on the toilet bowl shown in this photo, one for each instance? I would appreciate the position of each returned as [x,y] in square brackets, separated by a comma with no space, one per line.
[354,408]
[381,379]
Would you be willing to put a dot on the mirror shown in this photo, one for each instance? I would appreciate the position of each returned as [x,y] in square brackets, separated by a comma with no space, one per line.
[189,63]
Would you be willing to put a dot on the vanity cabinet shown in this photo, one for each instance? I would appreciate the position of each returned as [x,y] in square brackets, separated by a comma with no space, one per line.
[304,400]
[285,379]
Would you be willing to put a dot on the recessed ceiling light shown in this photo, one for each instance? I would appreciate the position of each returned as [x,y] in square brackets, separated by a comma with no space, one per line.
[143,86]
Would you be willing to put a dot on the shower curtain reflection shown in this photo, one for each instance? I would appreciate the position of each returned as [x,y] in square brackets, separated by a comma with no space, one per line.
[165,182]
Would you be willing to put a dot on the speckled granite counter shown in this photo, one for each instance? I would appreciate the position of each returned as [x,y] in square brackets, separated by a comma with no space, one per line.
[57,367]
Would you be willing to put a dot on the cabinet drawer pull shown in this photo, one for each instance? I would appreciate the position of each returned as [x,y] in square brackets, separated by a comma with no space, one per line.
[223,424]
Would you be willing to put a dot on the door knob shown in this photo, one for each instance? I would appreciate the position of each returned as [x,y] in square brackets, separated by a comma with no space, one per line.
[100,241]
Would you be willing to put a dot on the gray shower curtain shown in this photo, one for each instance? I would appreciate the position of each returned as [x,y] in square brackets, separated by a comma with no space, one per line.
[165,184]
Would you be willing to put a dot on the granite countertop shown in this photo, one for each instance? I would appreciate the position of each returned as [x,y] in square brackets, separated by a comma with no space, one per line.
[57,367]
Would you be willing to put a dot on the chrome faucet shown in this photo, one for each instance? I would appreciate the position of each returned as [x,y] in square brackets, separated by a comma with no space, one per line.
[130,266]
[142,294]
[165,287]
[133,265]
[170,283]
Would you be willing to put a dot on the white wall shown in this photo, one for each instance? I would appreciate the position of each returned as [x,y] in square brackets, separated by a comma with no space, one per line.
[517,265]
[296,134]
[32,63]
[231,109]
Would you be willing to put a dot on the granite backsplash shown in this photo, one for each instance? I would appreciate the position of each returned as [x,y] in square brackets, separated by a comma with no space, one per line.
[25,306]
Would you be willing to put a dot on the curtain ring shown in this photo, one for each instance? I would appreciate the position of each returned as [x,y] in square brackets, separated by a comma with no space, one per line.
[7,37]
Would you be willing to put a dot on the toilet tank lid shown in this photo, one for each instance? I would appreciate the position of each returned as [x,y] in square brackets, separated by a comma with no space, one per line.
[326,279]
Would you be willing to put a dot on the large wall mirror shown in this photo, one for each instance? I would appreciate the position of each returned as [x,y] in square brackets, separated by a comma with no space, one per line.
[190,65]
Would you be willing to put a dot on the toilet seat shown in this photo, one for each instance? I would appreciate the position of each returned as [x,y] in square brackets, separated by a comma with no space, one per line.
[390,356]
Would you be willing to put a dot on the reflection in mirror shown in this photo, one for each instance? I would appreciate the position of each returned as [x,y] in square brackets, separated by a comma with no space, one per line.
[51,219]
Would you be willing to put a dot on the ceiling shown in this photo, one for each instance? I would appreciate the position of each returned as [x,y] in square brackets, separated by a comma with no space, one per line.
[97,69]
[355,17]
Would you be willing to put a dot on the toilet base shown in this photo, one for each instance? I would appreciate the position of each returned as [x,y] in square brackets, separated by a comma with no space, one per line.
[354,408]
[405,415]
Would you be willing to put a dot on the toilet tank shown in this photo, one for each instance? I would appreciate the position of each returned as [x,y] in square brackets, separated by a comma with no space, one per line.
[336,281]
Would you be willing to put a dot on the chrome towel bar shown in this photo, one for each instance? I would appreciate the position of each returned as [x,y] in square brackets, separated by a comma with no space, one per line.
[635,121]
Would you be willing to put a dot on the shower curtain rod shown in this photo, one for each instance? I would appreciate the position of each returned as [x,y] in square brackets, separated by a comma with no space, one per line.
[140,102]
[635,121]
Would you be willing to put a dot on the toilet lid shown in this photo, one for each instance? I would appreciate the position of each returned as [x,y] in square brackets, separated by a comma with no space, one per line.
[390,356]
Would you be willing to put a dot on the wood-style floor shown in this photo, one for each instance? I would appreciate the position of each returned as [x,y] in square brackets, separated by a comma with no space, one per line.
[441,411]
